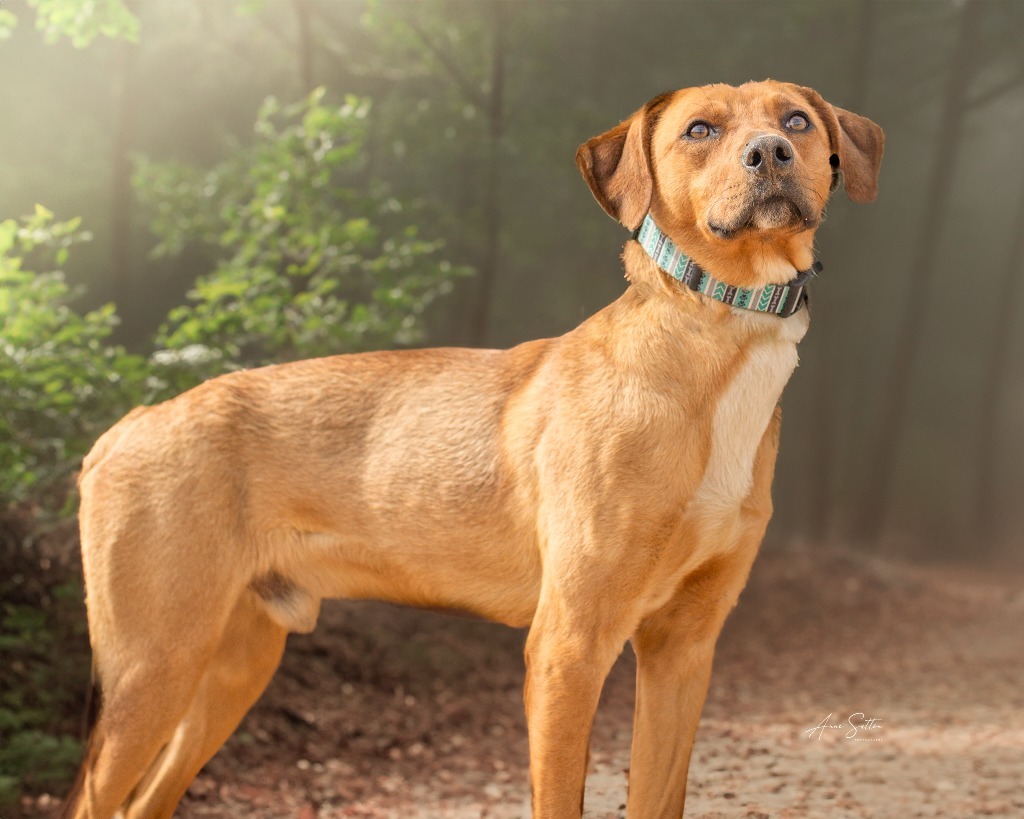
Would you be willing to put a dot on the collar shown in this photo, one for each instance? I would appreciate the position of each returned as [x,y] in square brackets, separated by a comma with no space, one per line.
[782,300]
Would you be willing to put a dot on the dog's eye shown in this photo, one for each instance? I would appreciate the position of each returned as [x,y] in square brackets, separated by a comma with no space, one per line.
[797,122]
[699,130]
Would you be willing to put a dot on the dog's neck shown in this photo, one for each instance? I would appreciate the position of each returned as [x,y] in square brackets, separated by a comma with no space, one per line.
[660,329]
[782,300]
[650,286]
[763,264]
[750,260]
[660,332]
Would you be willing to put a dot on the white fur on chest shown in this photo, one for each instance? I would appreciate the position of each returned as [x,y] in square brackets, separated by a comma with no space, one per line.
[742,416]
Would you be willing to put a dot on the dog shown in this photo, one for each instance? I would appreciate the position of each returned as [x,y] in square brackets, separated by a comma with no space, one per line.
[612,484]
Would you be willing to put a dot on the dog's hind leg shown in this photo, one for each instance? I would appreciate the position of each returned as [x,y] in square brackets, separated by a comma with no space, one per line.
[147,688]
[249,652]
[165,714]
[160,597]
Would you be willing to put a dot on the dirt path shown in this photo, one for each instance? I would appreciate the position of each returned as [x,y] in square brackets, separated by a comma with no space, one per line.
[385,712]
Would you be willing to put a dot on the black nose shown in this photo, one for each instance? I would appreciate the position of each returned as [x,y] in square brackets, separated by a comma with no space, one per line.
[766,152]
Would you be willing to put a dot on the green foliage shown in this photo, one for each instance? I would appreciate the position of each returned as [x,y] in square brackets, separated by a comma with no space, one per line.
[45,672]
[61,383]
[82,21]
[36,760]
[313,258]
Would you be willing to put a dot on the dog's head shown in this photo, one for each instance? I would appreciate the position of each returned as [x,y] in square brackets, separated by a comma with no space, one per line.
[735,173]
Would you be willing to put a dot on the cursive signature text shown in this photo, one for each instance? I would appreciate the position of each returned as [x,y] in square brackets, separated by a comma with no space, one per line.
[856,727]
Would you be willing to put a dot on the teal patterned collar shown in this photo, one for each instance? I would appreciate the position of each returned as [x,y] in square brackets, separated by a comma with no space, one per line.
[782,300]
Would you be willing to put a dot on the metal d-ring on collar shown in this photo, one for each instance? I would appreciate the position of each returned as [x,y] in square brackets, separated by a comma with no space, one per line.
[782,300]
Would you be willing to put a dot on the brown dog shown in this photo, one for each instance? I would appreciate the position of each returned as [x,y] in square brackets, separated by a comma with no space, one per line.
[609,485]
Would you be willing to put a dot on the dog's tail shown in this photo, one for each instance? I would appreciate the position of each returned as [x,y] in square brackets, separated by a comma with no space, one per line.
[92,740]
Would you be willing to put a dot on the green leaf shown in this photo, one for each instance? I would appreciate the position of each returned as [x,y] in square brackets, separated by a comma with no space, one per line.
[82,21]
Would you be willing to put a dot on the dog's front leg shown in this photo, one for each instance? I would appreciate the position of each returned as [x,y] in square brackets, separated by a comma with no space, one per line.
[674,649]
[568,656]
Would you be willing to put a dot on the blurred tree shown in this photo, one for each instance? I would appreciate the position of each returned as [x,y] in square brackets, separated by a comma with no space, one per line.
[303,18]
[478,79]
[82,21]
[121,176]
[824,432]
[996,376]
[876,496]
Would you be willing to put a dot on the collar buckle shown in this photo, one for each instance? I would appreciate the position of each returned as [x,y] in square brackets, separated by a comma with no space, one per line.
[798,295]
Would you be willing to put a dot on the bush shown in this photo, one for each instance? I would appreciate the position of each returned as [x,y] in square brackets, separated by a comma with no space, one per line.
[44,677]
[61,382]
[309,264]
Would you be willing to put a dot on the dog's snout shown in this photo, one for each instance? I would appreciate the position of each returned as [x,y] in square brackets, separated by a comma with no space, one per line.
[766,152]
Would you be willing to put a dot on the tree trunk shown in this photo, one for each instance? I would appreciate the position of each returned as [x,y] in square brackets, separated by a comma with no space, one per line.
[823,437]
[121,177]
[992,388]
[877,495]
[488,273]
[302,17]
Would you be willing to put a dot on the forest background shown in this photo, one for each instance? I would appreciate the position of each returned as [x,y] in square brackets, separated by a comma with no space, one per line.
[189,187]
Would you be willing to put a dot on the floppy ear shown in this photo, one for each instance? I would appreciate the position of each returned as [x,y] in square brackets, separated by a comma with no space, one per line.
[857,146]
[860,148]
[617,165]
